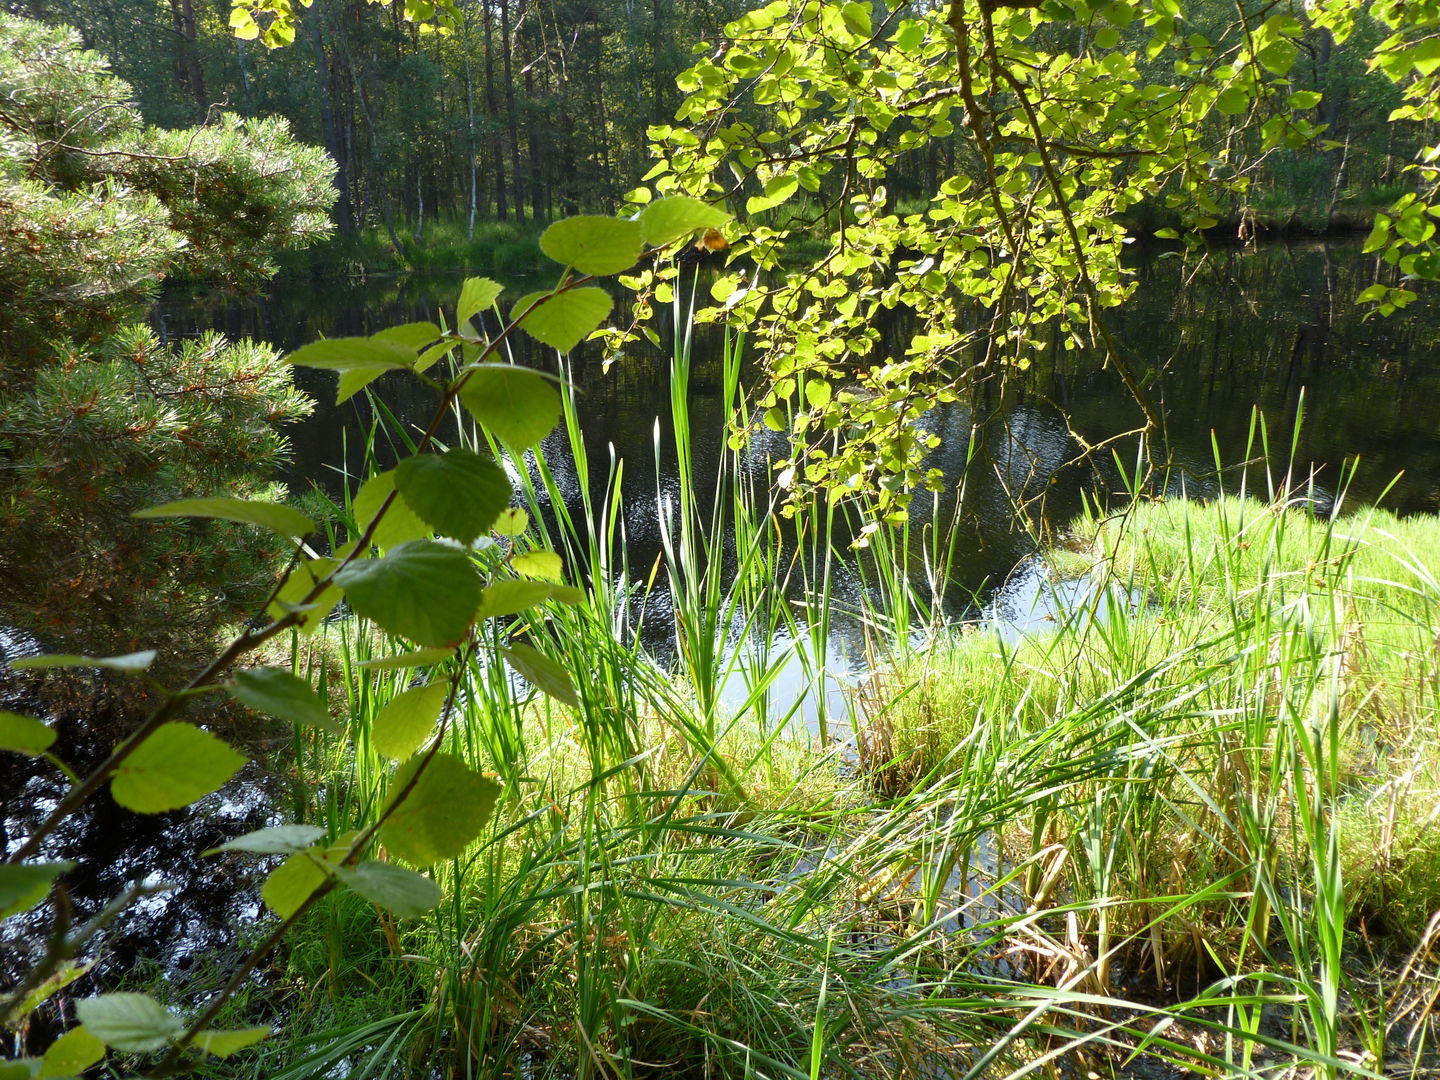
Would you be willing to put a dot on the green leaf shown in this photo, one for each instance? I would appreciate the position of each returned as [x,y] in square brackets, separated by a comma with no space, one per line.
[172,768]
[243,24]
[276,840]
[1278,57]
[23,885]
[298,585]
[1233,101]
[414,336]
[542,672]
[476,294]
[65,974]
[295,880]
[359,360]
[278,518]
[24,735]
[343,354]
[593,244]
[1379,235]
[512,522]
[402,725]
[1304,99]
[566,318]
[224,1043]
[458,492]
[134,1023]
[72,1053]
[136,661]
[26,1068]
[512,597]
[777,191]
[545,565]
[518,405]
[422,590]
[444,812]
[403,893]
[417,658]
[857,19]
[283,695]
[1425,55]
[400,522]
[1107,37]
[667,220]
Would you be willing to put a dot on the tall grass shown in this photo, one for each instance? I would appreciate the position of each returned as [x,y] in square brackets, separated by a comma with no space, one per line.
[1162,828]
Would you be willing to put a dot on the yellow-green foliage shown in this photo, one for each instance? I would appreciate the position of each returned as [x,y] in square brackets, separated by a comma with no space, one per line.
[1277,672]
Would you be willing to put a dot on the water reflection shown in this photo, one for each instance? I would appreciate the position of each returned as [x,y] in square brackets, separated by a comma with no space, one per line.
[1213,337]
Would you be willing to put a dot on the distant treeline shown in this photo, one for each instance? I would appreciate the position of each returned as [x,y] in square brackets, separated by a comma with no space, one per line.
[533,109]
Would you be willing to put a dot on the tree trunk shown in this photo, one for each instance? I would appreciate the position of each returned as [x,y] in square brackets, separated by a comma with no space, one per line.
[335,144]
[492,111]
[512,120]
[187,57]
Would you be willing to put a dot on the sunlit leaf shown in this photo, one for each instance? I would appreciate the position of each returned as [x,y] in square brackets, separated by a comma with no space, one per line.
[24,734]
[275,840]
[134,1023]
[545,565]
[512,522]
[137,661]
[593,244]
[542,672]
[417,658]
[400,522]
[511,597]
[402,725]
[402,892]
[566,318]
[476,295]
[298,585]
[414,336]
[422,590]
[65,974]
[278,518]
[283,695]
[668,219]
[72,1053]
[23,885]
[459,493]
[518,405]
[443,813]
[224,1043]
[295,880]
[338,354]
[177,764]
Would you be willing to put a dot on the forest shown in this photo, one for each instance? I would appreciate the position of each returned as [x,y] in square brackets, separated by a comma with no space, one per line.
[566,539]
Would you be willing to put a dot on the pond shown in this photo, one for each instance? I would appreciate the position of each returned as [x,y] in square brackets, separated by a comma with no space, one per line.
[1217,337]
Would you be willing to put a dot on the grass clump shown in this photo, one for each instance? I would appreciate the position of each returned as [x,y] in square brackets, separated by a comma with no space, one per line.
[1274,810]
